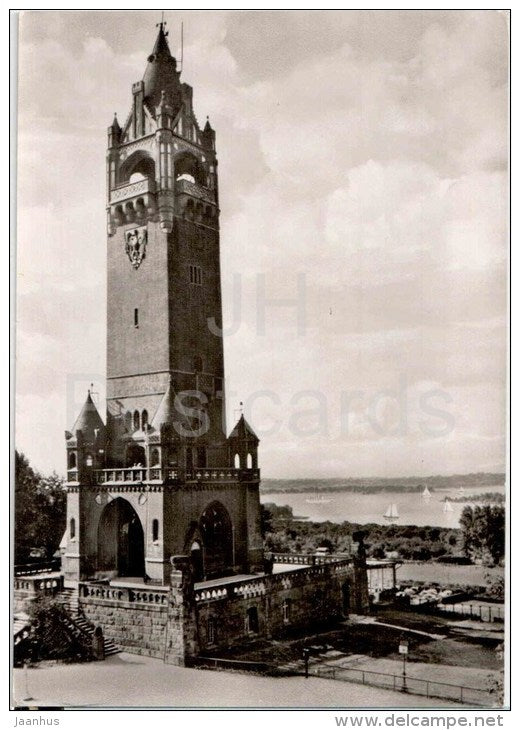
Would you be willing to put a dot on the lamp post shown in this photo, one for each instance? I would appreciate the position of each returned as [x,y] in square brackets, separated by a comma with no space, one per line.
[403,649]
[306,653]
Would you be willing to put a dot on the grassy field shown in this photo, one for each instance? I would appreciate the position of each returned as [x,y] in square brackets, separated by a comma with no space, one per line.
[447,574]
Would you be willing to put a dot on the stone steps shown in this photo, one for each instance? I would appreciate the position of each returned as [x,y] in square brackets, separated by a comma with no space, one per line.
[69,599]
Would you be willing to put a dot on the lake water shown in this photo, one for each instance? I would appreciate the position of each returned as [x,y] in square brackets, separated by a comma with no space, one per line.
[365,508]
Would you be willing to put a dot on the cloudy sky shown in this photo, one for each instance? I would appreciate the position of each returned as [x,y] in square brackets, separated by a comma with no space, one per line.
[363,173]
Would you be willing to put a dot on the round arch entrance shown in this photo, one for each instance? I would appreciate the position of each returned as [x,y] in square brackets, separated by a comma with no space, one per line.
[120,540]
[217,537]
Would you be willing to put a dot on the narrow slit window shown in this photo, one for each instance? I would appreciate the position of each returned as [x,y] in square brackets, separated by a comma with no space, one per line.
[136,317]
[195,275]
[155,530]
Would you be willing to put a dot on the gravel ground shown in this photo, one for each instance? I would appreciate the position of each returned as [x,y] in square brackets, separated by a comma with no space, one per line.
[126,680]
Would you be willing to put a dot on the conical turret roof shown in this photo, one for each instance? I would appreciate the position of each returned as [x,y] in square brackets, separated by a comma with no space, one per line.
[166,411]
[243,430]
[161,74]
[89,421]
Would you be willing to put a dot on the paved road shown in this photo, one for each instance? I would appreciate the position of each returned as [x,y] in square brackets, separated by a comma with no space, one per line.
[126,680]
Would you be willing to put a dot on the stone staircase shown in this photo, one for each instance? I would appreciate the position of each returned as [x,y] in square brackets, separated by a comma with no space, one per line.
[69,599]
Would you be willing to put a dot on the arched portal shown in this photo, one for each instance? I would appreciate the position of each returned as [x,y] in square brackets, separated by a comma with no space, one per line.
[135,455]
[120,540]
[217,537]
[139,163]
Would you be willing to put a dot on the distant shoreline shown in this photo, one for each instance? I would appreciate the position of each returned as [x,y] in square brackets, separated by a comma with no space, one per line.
[473,482]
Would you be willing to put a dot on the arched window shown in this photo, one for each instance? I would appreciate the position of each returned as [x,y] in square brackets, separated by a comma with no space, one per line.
[128,421]
[137,167]
[155,457]
[72,460]
[89,460]
[188,167]
[237,461]
[155,530]
[217,537]
[72,528]
[249,462]
[198,365]
[144,420]
[252,620]
[136,420]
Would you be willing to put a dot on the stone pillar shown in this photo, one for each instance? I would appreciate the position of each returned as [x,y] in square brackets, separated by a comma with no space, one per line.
[181,623]
[98,644]
[255,553]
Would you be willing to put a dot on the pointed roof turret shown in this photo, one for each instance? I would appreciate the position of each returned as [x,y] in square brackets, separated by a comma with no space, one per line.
[208,135]
[161,74]
[166,411]
[115,125]
[114,133]
[89,421]
[243,431]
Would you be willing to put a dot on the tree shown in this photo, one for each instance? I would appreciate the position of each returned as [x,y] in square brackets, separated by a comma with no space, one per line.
[40,510]
[483,532]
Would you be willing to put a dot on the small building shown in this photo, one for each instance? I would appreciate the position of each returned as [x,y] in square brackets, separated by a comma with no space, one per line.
[381,578]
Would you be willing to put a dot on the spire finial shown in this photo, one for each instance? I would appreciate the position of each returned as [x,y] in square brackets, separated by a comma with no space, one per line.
[162,24]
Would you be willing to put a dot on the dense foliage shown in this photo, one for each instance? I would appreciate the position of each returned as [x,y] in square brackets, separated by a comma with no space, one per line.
[483,533]
[40,504]
[284,534]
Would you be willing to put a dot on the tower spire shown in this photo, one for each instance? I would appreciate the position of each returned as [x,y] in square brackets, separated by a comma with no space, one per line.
[161,72]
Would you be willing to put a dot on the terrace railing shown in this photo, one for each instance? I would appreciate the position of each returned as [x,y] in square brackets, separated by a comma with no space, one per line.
[49,566]
[308,559]
[412,685]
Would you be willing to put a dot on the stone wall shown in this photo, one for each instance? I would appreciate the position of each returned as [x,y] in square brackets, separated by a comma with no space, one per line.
[282,603]
[134,619]
[185,621]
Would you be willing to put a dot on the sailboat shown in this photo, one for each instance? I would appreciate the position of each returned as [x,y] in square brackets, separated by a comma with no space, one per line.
[426,495]
[391,513]
[447,505]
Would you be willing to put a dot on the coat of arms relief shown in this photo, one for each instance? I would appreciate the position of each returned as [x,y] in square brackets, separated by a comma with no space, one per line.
[135,245]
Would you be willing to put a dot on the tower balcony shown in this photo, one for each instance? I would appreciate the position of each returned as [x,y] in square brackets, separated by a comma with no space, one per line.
[131,203]
[193,189]
[128,191]
[161,475]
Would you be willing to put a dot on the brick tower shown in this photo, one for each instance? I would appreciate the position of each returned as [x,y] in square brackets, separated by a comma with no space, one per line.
[161,478]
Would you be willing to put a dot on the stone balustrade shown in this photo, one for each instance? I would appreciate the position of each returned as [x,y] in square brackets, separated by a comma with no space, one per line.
[195,190]
[262,584]
[123,594]
[210,594]
[308,559]
[132,190]
[39,584]
[160,475]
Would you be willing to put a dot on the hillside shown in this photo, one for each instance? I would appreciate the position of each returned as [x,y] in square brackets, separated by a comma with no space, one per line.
[369,485]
